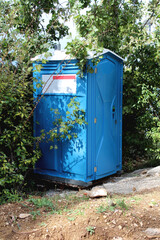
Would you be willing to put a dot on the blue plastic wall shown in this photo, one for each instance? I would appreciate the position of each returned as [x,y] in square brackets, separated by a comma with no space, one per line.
[97,152]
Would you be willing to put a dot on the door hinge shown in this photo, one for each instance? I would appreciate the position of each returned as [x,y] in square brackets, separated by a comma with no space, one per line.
[95,70]
[95,169]
[95,120]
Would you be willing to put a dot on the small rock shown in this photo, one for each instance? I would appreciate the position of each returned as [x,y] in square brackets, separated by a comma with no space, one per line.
[62,195]
[112,225]
[51,192]
[128,214]
[141,224]
[120,212]
[24,215]
[114,222]
[120,227]
[98,192]
[152,232]
[116,211]
[117,238]
[135,225]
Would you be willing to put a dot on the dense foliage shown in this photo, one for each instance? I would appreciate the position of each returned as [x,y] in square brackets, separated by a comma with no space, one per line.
[22,37]
[131,29]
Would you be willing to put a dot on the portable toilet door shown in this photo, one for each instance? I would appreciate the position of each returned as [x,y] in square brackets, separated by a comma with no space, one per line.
[61,83]
[105,97]
[97,152]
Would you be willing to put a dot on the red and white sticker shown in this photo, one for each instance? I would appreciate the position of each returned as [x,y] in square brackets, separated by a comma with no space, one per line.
[59,83]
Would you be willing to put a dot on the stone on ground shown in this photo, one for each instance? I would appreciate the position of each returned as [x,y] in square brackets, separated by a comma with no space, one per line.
[24,215]
[98,191]
[152,232]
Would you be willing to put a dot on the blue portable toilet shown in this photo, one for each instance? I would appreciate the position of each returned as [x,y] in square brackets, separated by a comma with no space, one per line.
[97,152]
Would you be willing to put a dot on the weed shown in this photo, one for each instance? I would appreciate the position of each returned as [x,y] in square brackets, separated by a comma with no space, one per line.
[102,208]
[24,205]
[18,225]
[111,208]
[79,212]
[118,203]
[10,196]
[135,199]
[54,206]
[122,204]
[57,197]
[43,224]
[84,198]
[71,218]
[42,202]
[59,212]
[35,214]
[75,198]
[90,230]
[66,210]
[153,203]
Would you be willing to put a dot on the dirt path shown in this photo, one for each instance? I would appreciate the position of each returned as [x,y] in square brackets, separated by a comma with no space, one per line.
[114,217]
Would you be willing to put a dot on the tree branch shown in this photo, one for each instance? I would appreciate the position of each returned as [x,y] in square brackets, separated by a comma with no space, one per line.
[150,15]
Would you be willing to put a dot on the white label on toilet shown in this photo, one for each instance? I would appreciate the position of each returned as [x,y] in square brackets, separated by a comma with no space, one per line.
[59,83]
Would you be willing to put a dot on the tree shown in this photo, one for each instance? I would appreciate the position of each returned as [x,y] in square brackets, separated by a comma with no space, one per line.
[122,26]
[22,37]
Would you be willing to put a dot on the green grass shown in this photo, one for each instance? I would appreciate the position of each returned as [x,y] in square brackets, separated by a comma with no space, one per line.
[74,213]
[51,205]
[35,214]
[90,229]
[153,203]
[102,208]
[135,199]
[122,204]
[42,203]
[71,218]
[118,203]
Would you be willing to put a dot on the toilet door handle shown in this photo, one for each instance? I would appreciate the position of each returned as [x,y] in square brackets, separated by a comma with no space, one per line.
[113,112]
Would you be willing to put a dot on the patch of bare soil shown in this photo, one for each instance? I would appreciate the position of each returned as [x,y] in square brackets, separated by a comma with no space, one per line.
[116,217]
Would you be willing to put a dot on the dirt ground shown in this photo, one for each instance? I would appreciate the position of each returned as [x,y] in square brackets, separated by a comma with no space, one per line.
[76,217]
